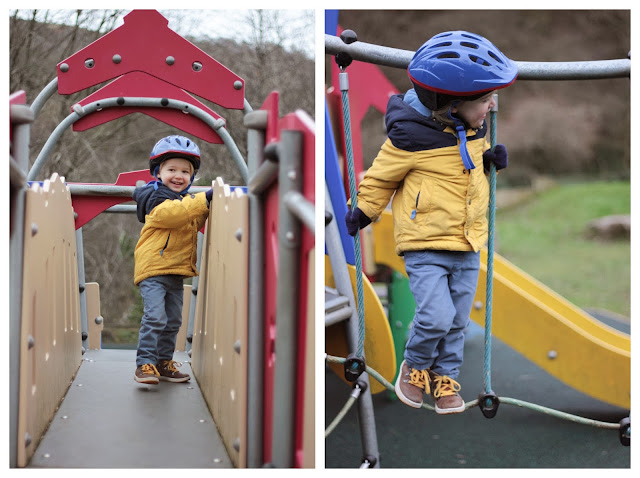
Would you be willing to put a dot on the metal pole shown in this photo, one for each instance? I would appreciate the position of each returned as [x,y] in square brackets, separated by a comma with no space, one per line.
[289,232]
[81,111]
[343,286]
[527,70]
[256,123]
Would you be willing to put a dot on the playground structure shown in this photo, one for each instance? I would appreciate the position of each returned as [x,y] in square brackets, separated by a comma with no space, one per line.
[549,331]
[247,319]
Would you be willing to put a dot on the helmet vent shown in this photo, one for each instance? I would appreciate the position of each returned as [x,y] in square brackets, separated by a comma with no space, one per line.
[469,45]
[494,56]
[466,35]
[449,54]
[442,45]
[480,61]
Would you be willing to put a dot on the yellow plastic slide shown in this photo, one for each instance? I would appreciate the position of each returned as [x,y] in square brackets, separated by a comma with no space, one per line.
[541,325]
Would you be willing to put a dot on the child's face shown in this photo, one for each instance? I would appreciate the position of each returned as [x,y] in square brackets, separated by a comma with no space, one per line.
[175,173]
[474,112]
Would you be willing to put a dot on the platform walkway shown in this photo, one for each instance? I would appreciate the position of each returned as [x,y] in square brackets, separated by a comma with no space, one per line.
[107,420]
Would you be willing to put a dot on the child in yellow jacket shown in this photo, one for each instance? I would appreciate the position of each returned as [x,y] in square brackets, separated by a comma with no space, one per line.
[433,165]
[166,253]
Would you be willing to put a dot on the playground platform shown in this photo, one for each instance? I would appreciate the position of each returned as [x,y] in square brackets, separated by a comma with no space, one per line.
[515,438]
[106,421]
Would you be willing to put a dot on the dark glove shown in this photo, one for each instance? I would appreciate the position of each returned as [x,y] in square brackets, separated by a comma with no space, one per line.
[356,220]
[498,157]
[209,195]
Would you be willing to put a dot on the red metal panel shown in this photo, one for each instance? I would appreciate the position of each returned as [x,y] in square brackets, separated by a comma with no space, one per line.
[143,43]
[140,84]
[88,207]
[299,121]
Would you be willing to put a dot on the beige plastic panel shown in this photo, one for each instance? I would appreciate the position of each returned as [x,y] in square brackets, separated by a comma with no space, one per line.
[51,341]
[181,339]
[92,291]
[221,317]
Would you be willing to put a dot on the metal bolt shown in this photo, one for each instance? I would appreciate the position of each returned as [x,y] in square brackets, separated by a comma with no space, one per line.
[196,66]
[477,305]
[30,342]
[552,354]
[237,85]
[98,320]
[236,444]
[170,60]
[117,58]
[238,234]
[27,439]
[34,229]
[89,63]
[64,67]
[236,346]
[290,236]
[292,175]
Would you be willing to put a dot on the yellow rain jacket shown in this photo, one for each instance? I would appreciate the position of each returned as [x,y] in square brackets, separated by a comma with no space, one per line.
[169,239]
[438,204]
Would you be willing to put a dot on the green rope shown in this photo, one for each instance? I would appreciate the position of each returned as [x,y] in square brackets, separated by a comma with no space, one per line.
[506,400]
[347,406]
[354,204]
[489,288]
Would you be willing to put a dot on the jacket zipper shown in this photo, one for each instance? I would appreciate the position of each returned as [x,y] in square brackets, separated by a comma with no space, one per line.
[165,245]
[413,213]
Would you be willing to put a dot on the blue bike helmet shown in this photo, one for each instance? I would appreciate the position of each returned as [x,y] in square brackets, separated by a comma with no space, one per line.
[174,146]
[458,65]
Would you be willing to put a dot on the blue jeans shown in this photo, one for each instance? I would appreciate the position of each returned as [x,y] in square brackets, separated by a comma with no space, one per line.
[162,298]
[443,284]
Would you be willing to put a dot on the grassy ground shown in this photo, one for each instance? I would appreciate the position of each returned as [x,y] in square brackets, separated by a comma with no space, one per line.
[544,236]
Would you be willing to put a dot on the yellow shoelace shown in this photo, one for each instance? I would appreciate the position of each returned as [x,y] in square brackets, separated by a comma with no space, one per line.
[149,368]
[171,365]
[445,386]
[420,378]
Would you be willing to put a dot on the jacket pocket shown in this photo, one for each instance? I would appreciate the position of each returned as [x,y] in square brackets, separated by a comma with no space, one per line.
[422,203]
[166,244]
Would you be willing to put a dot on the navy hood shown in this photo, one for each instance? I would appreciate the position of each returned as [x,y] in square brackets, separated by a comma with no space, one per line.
[410,130]
[150,195]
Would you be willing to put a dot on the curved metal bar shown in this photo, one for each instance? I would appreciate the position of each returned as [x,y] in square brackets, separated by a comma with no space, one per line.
[80,111]
[44,95]
[527,70]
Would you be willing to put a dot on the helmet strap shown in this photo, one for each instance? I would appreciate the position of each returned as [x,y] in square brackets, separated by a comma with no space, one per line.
[466,158]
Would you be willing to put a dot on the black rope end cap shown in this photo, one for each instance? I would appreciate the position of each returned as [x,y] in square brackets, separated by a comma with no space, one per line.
[488,403]
[353,367]
[625,431]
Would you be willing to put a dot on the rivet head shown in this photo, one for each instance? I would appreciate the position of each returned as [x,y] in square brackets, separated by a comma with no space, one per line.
[27,439]
[238,235]
[237,85]
[64,67]
[290,236]
[552,354]
[34,229]
[477,305]
[117,58]
[196,66]
[170,60]
[30,341]
[89,63]
[98,320]
[292,175]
